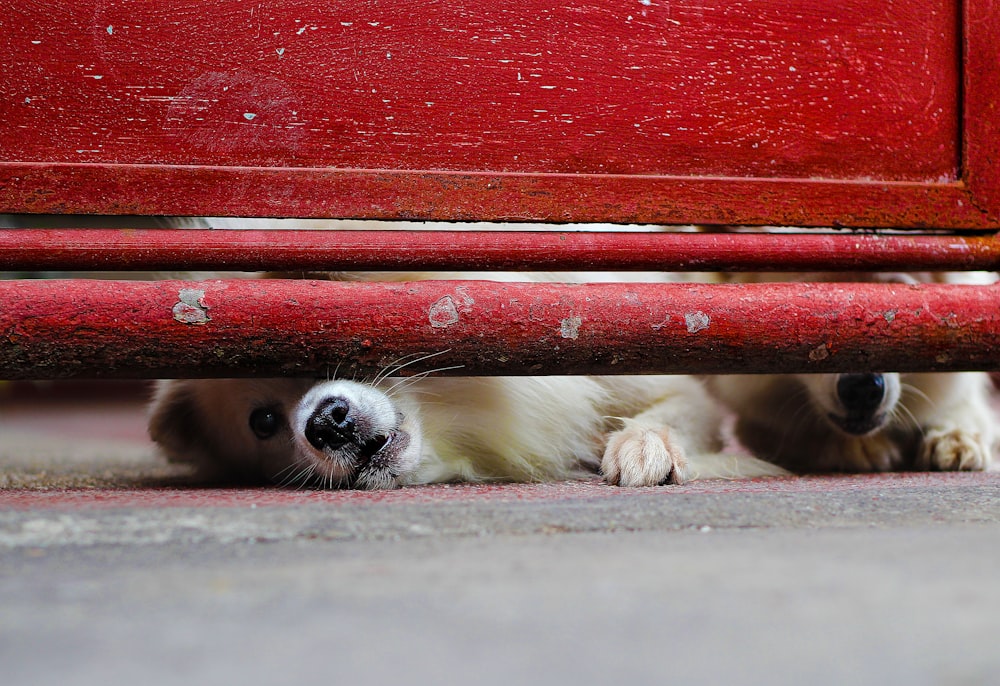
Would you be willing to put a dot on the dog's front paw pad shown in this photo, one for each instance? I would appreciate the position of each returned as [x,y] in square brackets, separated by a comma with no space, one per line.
[638,456]
[954,450]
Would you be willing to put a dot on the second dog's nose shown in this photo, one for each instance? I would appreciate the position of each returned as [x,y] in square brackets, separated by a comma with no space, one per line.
[861,394]
[331,425]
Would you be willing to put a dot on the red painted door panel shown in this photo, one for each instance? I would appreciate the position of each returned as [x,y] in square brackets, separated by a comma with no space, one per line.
[786,111]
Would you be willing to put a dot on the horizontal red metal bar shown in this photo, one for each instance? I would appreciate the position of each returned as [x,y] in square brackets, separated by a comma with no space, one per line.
[56,329]
[483,196]
[321,250]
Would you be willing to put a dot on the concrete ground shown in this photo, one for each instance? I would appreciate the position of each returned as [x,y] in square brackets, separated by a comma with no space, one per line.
[116,569]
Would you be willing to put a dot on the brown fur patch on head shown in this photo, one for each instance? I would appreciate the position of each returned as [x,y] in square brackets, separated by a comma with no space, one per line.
[175,424]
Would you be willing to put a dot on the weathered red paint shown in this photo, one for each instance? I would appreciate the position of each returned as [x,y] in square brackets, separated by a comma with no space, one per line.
[285,250]
[981,139]
[784,86]
[56,329]
[485,196]
[796,113]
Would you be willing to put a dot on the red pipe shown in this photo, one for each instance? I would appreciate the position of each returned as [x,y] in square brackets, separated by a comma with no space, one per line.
[108,329]
[296,250]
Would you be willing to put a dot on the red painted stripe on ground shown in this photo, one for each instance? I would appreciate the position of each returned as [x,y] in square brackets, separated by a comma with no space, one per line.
[73,499]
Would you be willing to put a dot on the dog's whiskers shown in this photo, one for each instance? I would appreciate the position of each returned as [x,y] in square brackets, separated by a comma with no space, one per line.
[905,415]
[336,371]
[416,391]
[279,476]
[402,363]
[300,478]
[308,475]
[405,382]
[913,390]
[291,479]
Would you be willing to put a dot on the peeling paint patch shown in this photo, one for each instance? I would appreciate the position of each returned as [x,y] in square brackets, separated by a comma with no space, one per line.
[191,307]
[447,309]
[249,116]
[570,327]
[696,321]
[890,316]
[819,353]
[443,313]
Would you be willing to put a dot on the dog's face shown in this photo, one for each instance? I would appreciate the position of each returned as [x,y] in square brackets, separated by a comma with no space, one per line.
[826,422]
[856,404]
[290,431]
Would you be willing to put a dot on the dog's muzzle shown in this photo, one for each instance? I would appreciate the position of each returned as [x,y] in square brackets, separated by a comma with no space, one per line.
[861,396]
[333,425]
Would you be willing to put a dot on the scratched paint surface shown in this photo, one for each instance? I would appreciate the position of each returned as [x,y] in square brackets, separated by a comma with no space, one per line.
[768,88]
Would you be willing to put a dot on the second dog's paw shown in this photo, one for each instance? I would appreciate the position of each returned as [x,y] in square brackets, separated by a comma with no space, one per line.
[640,456]
[876,453]
[953,450]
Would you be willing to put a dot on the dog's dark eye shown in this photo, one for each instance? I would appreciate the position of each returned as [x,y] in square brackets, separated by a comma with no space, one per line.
[265,422]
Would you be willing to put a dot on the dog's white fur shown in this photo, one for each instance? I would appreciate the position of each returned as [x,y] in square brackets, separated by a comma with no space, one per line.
[927,421]
[933,422]
[638,430]
[452,428]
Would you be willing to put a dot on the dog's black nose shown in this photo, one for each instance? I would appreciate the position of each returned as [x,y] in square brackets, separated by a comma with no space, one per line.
[331,425]
[861,394]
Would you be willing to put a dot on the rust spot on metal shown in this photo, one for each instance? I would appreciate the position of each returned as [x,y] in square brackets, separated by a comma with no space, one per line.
[819,353]
[191,307]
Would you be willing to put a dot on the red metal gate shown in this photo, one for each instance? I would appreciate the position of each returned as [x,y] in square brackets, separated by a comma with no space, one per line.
[869,115]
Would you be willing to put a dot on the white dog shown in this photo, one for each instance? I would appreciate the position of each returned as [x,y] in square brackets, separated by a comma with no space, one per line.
[394,430]
[864,422]
[867,421]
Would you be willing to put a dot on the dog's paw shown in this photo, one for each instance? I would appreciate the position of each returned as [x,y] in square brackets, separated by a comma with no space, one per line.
[875,453]
[640,456]
[951,450]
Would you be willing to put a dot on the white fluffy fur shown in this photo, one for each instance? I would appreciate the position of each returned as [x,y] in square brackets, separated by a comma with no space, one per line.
[461,428]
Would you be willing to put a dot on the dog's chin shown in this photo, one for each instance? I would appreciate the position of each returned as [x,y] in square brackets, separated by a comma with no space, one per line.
[375,464]
[858,426]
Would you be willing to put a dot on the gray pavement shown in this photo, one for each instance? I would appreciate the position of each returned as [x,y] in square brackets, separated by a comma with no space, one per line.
[114,571]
